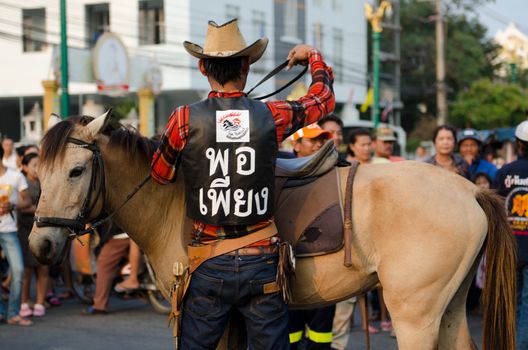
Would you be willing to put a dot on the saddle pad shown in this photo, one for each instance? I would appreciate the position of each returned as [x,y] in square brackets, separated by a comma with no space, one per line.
[310,216]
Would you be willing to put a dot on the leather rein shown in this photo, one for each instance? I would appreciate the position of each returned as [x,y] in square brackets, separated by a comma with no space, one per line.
[98,186]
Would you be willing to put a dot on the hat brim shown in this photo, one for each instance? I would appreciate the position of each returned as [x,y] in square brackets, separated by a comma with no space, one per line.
[253,51]
[386,138]
[474,138]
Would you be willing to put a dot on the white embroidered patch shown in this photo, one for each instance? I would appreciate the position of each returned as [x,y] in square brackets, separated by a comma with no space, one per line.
[232,126]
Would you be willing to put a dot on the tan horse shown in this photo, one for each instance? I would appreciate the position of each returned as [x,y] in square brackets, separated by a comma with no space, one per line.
[418,230]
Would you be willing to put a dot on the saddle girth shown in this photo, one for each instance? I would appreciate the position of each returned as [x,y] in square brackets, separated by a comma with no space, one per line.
[348,213]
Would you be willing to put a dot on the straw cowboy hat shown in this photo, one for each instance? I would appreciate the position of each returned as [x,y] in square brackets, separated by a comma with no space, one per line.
[224,41]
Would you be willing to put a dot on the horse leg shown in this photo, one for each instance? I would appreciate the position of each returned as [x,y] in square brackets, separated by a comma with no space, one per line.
[416,319]
[413,335]
[454,330]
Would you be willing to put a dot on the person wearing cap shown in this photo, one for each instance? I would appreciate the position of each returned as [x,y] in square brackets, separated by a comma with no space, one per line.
[512,181]
[469,143]
[227,146]
[308,140]
[383,144]
[314,324]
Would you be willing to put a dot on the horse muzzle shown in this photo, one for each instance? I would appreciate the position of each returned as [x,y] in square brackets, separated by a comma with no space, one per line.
[48,244]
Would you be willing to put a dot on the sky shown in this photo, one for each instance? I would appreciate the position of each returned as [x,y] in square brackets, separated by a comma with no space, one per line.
[496,15]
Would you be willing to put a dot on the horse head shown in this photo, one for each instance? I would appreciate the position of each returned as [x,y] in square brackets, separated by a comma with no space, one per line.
[69,193]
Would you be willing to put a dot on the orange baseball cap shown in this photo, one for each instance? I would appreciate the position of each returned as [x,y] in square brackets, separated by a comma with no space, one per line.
[311,131]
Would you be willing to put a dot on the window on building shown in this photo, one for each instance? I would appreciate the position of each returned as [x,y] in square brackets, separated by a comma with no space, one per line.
[259,24]
[290,19]
[336,5]
[97,21]
[33,29]
[232,12]
[318,3]
[151,22]
[318,38]
[338,68]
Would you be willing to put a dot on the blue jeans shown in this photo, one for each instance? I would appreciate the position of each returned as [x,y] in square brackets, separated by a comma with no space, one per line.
[522,307]
[11,247]
[224,283]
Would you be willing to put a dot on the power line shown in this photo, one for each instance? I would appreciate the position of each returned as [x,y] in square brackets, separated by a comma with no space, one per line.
[17,38]
[165,54]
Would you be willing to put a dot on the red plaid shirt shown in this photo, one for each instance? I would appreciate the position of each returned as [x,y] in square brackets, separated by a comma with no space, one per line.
[289,116]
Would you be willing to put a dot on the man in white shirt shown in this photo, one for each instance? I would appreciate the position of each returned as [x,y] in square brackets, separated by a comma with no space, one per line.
[9,157]
[13,196]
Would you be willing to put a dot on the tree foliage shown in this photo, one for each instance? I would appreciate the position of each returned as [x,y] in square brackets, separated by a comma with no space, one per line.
[488,105]
[468,53]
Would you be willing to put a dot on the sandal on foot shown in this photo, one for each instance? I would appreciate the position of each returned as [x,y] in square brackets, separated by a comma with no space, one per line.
[386,326]
[19,321]
[373,330]
[119,288]
[67,294]
[90,311]
[39,310]
[53,300]
[25,310]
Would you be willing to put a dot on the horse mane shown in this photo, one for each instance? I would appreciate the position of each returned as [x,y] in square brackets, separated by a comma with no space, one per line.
[54,142]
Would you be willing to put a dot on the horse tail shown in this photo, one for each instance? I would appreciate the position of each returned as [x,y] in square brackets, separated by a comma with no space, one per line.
[499,294]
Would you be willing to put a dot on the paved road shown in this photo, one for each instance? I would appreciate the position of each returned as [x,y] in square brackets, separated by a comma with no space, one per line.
[130,325]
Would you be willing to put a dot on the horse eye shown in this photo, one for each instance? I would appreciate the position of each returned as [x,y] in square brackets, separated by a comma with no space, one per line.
[77,171]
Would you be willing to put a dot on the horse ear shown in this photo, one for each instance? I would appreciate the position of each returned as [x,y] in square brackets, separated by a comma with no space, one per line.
[53,120]
[96,125]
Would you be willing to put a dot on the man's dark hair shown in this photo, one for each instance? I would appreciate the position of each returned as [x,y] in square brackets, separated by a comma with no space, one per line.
[444,127]
[224,70]
[1,153]
[331,118]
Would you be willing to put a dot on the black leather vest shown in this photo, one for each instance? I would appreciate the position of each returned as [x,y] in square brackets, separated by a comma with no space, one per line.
[229,161]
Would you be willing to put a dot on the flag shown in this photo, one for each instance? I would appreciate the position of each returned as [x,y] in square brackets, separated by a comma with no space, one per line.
[386,111]
[368,101]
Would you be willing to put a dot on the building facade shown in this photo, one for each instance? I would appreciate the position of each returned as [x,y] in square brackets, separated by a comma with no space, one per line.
[152,32]
[514,48]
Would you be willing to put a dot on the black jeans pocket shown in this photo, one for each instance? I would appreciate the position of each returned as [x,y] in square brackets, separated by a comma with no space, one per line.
[204,295]
[265,305]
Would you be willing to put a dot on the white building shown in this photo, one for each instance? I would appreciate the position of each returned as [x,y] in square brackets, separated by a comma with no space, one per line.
[152,31]
[514,47]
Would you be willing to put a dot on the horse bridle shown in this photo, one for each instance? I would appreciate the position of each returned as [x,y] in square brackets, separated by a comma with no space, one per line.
[78,224]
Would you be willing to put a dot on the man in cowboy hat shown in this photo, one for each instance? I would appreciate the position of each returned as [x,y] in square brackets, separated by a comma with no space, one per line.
[227,146]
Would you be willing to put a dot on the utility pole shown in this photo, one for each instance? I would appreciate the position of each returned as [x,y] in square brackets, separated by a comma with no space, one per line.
[375,18]
[65,97]
[441,90]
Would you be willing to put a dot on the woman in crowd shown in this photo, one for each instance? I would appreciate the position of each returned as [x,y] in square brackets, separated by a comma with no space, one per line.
[359,146]
[25,223]
[444,138]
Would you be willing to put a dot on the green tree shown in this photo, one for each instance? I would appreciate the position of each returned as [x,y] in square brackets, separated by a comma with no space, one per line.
[469,54]
[488,105]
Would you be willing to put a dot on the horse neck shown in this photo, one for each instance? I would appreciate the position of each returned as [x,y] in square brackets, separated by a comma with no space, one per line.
[154,217]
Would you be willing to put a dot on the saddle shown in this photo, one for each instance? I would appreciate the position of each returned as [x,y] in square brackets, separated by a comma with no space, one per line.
[314,165]
[309,212]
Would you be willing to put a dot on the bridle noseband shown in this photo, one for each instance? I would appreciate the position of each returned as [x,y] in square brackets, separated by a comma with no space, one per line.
[78,224]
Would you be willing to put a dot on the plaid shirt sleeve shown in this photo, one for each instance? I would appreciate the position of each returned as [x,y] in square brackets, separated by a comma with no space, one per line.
[319,101]
[165,159]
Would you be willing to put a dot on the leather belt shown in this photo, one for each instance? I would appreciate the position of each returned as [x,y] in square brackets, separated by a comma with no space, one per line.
[255,250]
